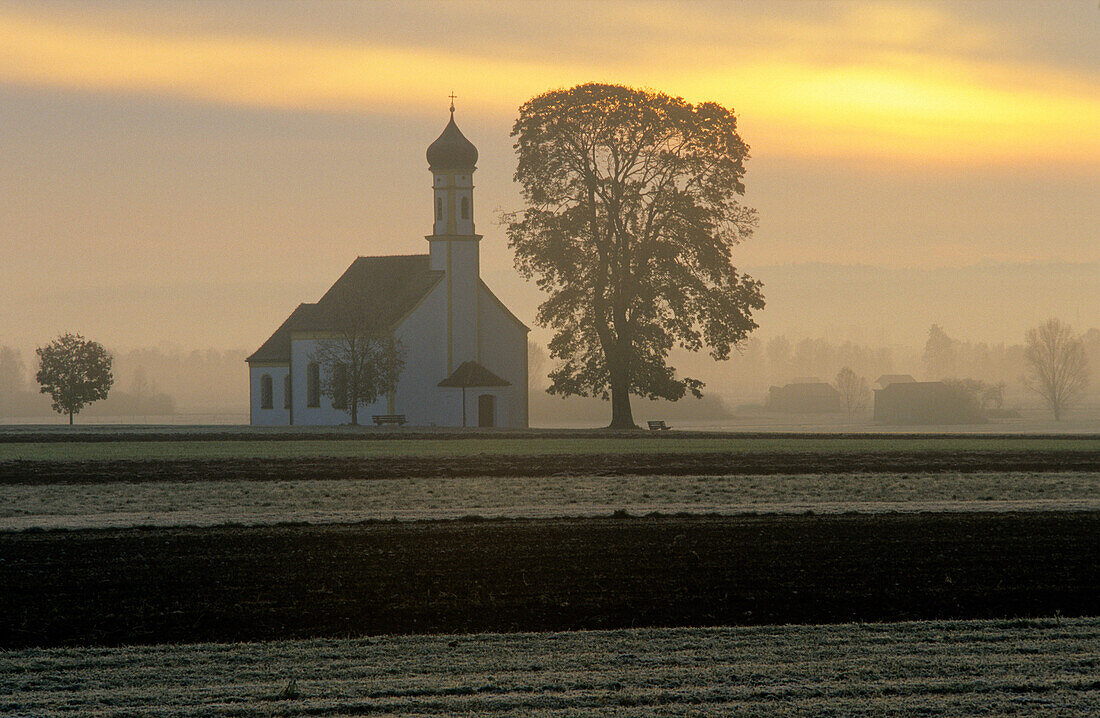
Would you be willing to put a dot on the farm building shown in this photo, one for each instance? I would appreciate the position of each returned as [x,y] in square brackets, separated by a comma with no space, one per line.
[887,379]
[465,352]
[923,402]
[803,396]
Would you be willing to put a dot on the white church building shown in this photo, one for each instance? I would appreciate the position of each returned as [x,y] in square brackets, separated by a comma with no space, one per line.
[465,352]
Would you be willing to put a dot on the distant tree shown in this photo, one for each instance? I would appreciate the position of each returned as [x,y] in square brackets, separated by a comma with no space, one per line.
[12,372]
[361,360]
[855,394]
[970,397]
[981,395]
[142,399]
[74,372]
[780,362]
[1091,340]
[140,386]
[939,353]
[1057,367]
[12,378]
[631,218]
[536,366]
[992,396]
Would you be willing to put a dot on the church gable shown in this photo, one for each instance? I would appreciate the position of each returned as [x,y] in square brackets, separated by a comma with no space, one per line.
[495,301]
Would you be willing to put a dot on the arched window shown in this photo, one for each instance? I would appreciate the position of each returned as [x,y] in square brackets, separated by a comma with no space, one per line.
[266,400]
[438,208]
[340,387]
[286,391]
[313,385]
[465,208]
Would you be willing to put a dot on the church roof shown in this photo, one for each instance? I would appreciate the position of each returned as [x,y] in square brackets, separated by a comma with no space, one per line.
[383,288]
[470,373]
[451,150]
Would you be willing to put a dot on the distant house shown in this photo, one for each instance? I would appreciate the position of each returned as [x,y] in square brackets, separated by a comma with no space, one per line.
[923,402]
[887,379]
[803,396]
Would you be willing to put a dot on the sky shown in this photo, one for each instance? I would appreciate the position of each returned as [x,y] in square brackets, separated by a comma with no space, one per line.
[189,172]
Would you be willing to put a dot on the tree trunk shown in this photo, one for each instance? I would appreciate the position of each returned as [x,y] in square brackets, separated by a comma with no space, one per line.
[619,379]
[621,416]
[70,417]
[355,412]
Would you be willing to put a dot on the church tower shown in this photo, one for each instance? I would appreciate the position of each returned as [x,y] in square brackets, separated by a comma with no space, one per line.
[453,243]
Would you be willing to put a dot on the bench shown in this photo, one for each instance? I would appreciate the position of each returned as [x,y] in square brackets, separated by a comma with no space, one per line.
[380,419]
[658,426]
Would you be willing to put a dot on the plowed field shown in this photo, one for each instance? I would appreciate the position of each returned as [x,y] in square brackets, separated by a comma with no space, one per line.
[274,582]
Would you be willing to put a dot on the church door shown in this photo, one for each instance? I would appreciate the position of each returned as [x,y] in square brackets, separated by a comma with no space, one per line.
[485,406]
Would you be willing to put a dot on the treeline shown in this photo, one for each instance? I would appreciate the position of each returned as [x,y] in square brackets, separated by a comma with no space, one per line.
[161,381]
[158,381]
[779,360]
[990,374]
[210,380]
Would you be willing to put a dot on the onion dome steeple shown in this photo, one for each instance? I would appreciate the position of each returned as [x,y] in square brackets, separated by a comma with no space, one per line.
[451,150]
[453,243]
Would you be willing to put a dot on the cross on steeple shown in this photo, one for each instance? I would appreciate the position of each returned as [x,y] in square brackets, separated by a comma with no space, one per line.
[452,96]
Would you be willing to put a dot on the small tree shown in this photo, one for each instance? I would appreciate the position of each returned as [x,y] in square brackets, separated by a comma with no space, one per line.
[977,394]
[939,353]
[360,360]
[12,381]
[74,372]
[357,368]
[967,397]
[11,372]
[855,395]
[1058,369]
[992,396]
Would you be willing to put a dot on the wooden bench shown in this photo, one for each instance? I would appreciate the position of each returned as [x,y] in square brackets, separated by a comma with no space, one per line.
[380,419]
[658,426]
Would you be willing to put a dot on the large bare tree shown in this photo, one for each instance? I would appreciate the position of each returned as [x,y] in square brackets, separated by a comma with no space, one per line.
[1058,368]
[632,214]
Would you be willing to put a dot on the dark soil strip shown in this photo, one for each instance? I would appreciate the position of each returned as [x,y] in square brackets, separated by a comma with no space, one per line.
[245,584]
[672,464]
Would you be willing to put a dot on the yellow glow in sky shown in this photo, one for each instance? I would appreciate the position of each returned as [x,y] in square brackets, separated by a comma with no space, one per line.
[888,105]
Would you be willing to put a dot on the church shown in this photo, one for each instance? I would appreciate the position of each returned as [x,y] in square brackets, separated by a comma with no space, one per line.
[465,352]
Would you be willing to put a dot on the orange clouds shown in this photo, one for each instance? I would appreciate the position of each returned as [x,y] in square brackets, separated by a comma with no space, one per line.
[876,82]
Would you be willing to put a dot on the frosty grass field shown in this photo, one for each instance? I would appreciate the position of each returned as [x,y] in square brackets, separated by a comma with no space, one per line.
[946,668]
[206,503]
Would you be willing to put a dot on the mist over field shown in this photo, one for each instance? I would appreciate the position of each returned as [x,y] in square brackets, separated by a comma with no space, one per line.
[175,385]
